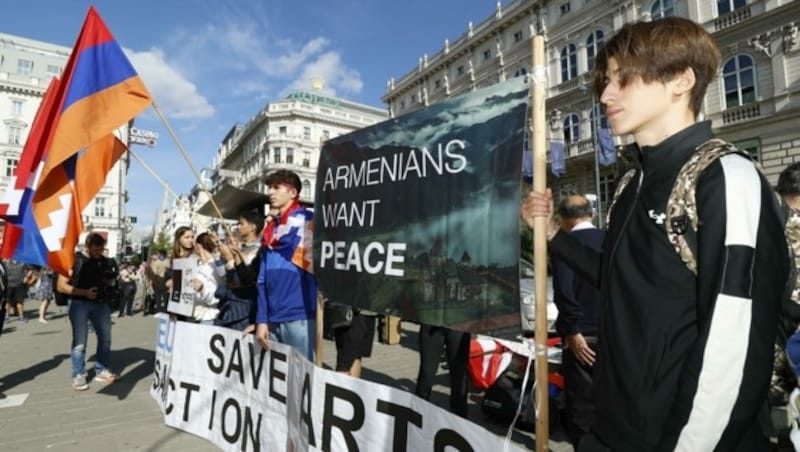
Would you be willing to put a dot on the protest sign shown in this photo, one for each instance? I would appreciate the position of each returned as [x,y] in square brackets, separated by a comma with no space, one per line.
[418,216]
[182,299]
[226,388]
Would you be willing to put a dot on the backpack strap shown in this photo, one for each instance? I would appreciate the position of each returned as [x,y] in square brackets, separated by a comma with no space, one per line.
[792,231]
[681,221]
[623,182]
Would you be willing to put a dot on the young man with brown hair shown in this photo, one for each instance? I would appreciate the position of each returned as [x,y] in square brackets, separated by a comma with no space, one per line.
[684,358]
[287,290]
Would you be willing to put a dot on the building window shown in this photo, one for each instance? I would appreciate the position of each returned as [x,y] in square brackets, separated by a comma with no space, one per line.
[662,8]
[487,54]
[402,105]
[739,74]
[517,36]
[413,98]
[567,186]
[14,135]
[282,130]
[593,43]
[598,117]
[326,135]
[521,72]
[24,67]
[276,155]
[99,207]
[572,128]
[16,108]
[726,6]
[460,70]
[564,8]
[307,133]
[751,146]
[306,191]
[306,159]
[289,155]
[437,84]
[569,62]
[11,166]
[607,187]
[53,70]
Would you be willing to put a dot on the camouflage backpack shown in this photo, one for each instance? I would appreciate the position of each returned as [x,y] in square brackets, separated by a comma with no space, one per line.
[681,212]
[681,229]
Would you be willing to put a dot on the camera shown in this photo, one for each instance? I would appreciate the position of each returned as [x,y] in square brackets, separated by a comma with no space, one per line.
[109,289]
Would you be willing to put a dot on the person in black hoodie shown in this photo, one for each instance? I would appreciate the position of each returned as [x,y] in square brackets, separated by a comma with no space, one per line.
[579,304]
[683,360]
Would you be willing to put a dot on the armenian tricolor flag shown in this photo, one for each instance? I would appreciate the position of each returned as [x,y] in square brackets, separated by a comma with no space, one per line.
[99,93]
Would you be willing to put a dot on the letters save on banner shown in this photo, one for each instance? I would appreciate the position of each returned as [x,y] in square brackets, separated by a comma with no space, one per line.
[214,383]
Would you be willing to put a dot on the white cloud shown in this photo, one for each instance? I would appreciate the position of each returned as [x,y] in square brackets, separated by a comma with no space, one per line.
[173,92]
[339,79]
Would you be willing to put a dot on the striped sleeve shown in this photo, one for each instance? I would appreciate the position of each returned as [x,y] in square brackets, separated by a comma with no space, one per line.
[725,385]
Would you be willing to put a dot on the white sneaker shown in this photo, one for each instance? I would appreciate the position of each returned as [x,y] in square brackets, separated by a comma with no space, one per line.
[79,383]
[106,376]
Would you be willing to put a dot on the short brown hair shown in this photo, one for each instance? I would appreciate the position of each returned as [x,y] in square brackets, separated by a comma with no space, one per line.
[283,176]
[205,240]
[659,51]
[94,239]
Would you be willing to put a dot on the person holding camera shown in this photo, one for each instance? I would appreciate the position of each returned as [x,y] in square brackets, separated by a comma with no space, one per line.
[89,290]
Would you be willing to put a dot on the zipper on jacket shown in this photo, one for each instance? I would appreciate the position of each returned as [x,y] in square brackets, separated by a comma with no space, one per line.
[627,218]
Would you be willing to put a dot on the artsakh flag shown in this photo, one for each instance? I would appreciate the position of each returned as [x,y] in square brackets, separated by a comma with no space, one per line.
[100,92]
[22,240]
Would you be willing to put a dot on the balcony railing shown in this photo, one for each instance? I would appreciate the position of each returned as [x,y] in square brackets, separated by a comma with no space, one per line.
[580,82]
[579,148]
[732,18]
[742,113]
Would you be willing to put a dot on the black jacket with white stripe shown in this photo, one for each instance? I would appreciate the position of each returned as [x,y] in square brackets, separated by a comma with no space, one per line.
[684,361]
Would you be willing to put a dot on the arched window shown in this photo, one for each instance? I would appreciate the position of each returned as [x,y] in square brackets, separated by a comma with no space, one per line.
[572,128]
[739,76]
[593,43]
[662,8]
[569,62]
[306,191]
[726,6]
[597,117]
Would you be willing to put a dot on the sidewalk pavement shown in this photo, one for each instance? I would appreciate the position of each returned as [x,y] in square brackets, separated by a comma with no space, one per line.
[40,411]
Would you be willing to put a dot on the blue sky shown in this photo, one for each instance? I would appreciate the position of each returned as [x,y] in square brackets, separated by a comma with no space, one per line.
[212,63]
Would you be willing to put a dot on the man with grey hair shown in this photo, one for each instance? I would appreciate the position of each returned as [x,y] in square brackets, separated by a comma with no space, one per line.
[578,303]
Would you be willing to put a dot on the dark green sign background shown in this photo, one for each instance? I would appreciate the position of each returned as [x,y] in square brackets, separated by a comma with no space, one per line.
[418,216]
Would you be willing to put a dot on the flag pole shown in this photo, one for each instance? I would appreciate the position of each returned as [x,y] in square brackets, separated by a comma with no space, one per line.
[539,78]
[189,161]
[320,321]
[152,173]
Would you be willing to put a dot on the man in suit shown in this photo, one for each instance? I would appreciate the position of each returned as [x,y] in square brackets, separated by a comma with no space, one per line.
[578,305]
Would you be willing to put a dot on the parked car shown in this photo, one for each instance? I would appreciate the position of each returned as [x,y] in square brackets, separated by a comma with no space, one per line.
[527,299]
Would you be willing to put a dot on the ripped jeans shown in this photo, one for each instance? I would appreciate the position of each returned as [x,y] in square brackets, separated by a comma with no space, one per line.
[81,311]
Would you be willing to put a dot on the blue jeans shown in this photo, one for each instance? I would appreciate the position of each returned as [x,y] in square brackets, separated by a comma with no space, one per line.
[81,311]
[300,334]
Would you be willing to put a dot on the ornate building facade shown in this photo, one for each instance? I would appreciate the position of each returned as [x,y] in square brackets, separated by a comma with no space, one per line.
[754,102]
[287,134]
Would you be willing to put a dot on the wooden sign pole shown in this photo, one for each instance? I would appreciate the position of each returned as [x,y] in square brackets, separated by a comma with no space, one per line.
[538,74]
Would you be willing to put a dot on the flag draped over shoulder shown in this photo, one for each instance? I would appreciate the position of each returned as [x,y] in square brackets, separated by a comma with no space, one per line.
[100,92]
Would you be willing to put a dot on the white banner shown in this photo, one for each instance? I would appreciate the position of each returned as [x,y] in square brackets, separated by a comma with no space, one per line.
[216,384]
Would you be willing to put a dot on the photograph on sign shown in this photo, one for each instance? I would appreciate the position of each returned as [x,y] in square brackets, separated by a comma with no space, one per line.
[181,301]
